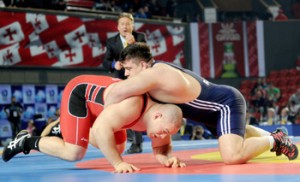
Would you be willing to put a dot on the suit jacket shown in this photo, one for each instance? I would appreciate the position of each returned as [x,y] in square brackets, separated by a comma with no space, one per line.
[114,47]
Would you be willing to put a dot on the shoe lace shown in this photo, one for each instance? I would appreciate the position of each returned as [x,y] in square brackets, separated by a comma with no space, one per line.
[286,147]
[13,144]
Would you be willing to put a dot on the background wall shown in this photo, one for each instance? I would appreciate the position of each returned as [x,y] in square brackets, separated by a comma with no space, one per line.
[282,44]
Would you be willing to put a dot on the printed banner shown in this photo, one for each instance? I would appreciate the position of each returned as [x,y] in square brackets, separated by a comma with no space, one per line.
[28,94]
[36,100]
[5,94]
[228,50]
[5,129]
[63,41]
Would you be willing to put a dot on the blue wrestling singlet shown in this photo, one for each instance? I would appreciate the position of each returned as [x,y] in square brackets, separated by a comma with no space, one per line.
[219,107]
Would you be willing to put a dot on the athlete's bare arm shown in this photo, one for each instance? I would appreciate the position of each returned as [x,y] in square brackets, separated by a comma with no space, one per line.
[112,119]
[163,81]
[162,149]
[47,130]
[136,85]
[120,147]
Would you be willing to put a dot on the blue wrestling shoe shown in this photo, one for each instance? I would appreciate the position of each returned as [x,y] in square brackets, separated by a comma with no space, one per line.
[16,146]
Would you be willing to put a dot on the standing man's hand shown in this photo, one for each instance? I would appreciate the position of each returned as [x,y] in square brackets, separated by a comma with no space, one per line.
[129,38]
[118,65]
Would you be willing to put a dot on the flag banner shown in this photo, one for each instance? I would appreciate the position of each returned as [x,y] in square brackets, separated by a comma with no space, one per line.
[31,39]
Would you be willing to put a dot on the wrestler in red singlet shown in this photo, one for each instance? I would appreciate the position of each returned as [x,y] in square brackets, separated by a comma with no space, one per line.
[82,102]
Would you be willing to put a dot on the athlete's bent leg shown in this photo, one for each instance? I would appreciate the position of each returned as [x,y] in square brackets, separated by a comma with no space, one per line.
[235,150]
[56,147]
[252,131]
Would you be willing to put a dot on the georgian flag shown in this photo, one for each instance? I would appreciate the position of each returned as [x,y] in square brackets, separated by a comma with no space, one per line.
[77,37]
[98,51]
[11,33]
[52,49]
[70,57]
[38,22]
[61,18]
[93,40]
[177,33]
[156,42]
[10,55]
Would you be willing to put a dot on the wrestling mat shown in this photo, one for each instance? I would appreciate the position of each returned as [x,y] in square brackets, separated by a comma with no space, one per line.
[202,158]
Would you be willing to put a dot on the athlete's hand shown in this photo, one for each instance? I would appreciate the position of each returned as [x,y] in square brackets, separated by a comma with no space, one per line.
[125,167]
[172,162]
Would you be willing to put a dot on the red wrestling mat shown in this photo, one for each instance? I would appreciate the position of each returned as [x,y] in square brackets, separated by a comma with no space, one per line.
[205,161]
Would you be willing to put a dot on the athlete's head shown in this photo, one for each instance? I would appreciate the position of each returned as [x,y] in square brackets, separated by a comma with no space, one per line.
[166,119]
[135,58]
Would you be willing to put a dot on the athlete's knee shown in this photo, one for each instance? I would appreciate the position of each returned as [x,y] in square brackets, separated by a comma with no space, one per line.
[74,156]
[74,153]
[234,158]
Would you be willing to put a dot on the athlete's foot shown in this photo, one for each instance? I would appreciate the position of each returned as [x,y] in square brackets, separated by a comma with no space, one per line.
[283,145]
[16,146]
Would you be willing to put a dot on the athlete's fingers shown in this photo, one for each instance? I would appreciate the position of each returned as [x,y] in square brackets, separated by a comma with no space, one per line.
[126,169]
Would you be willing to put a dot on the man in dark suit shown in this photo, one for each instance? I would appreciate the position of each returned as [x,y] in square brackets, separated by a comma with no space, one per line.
[114,46]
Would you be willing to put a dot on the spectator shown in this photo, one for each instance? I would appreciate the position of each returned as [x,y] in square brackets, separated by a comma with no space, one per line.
[198,132]
[14,111]
[259,103]
[271,118]
[140,13]
[114,46]
[284,116]
[31,128]
[251,119]
[297,120]
[295,97]
[55,116]
[260,84]
[281,16]
[294,109]
[273,93]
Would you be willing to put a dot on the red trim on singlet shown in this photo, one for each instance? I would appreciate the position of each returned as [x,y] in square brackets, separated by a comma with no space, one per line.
[145,102]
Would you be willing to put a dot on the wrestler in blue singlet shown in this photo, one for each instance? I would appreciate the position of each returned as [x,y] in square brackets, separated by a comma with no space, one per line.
[221,108]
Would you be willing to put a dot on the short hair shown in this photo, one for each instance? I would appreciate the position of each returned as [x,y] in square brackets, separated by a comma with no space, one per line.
[126,15]
[136,50]
[173,114]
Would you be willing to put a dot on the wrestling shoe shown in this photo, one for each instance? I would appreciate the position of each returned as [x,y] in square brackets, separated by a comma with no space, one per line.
[16,146]
[280,135]
[283,145]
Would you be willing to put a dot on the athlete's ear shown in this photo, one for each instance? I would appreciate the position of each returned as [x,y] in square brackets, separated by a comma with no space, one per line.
[157,115]
[144,65]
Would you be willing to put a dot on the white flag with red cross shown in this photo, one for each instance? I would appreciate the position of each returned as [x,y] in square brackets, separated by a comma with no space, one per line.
[11,33]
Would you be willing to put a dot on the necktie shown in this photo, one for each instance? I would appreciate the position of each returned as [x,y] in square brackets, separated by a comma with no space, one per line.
[125,44]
